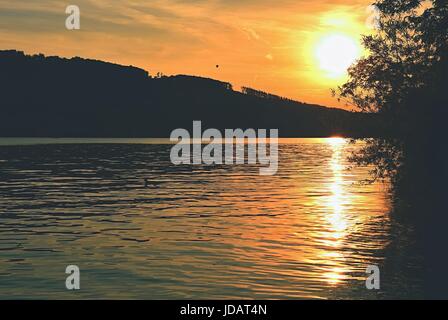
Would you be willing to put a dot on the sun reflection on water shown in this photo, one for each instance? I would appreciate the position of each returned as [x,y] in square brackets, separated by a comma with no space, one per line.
[336,217]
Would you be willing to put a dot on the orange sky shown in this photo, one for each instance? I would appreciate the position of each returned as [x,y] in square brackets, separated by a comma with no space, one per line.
[265,44]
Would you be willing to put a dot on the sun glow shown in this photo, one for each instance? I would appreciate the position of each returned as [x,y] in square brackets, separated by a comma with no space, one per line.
[335,53]
[333,46]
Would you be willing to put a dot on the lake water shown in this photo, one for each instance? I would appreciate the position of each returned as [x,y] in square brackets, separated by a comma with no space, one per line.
[200,232]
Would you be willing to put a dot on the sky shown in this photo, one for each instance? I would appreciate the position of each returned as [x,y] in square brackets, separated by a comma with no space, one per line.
[292,48]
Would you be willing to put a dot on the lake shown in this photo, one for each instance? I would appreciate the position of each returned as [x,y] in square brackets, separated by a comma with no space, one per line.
[196,231]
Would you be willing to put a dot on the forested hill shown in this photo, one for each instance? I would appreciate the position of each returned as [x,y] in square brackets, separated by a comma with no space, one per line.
[57,97]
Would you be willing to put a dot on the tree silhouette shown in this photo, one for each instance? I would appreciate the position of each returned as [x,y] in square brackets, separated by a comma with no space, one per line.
[403,79]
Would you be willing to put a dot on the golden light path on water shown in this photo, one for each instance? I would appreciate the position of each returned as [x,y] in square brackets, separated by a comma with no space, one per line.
[336,217]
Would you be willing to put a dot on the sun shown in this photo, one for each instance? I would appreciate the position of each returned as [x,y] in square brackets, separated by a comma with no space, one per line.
[335,53]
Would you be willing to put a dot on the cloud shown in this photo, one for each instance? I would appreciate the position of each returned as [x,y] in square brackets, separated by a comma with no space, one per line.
[252,34]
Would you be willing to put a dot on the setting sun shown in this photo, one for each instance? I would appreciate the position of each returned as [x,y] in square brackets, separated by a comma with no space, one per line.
[335,53]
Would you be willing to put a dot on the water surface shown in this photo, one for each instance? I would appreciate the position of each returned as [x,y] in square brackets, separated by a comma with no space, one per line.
[202,232]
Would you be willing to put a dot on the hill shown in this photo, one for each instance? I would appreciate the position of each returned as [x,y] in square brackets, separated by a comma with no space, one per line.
[58,97]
